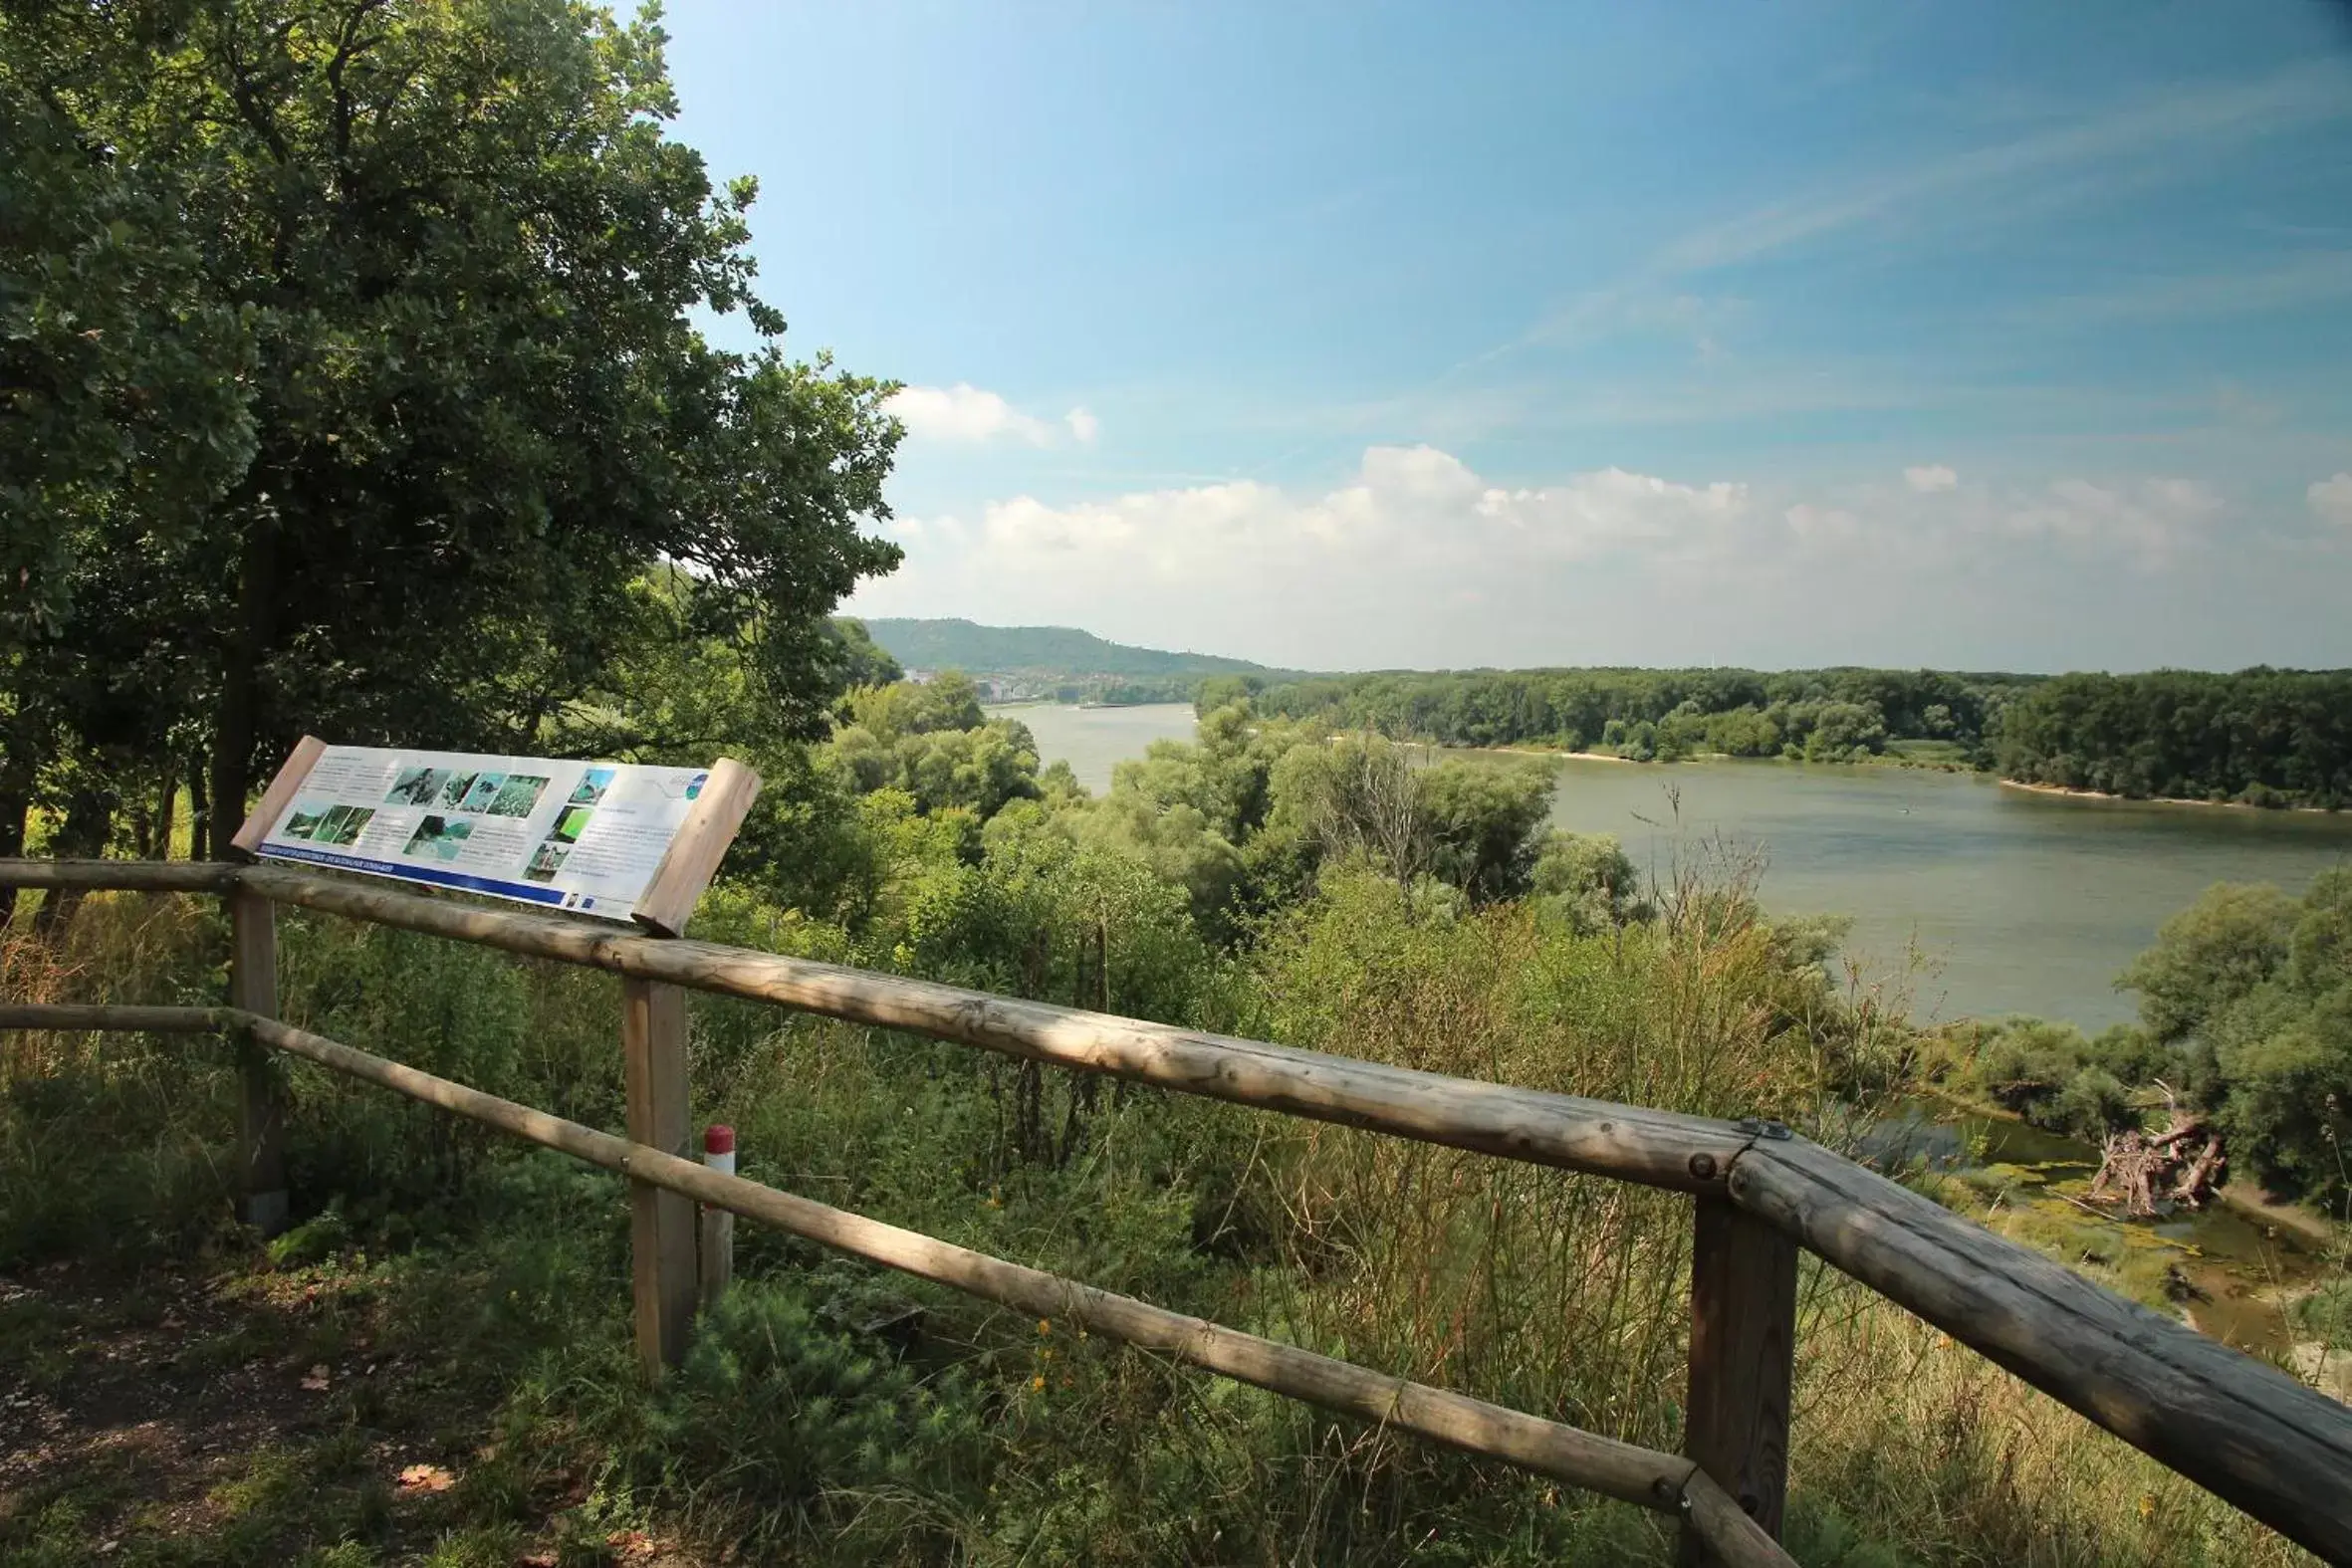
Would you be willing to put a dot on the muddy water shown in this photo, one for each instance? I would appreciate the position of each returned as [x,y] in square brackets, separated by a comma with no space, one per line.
[2228,1276]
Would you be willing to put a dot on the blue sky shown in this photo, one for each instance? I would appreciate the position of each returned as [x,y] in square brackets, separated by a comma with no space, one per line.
[1970,334]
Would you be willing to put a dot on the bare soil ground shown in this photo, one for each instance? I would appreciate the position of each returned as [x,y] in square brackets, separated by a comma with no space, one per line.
[184,1417]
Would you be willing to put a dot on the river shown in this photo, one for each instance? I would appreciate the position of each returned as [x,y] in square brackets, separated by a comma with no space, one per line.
[2015,902]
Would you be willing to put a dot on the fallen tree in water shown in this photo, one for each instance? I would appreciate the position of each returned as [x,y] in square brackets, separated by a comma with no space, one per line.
[2177,1168]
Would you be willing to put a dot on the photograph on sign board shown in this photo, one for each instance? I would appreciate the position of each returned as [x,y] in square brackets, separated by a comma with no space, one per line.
[546,862]
[591,786]
[453,788]
[342,824]
[484,790]
[518,794]
[416,786]
[567,826]
[305,820]
[438,836]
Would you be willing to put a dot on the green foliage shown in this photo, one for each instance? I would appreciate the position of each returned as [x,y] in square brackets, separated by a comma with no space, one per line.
[2056,1078]
[947,701]
[2261,737]
[1586,881]
[804,1418]
[979,770]
[1824,715]
[833,1413]
[1483,821]
[2245,1008]
[358,360]
[2209,956]
[863,661]
[2259,988]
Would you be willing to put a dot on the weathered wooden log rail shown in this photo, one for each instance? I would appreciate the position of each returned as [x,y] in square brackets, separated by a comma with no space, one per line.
[2273,1447]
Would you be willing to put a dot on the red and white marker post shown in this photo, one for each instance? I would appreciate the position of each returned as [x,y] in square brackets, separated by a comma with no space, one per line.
[715,1236]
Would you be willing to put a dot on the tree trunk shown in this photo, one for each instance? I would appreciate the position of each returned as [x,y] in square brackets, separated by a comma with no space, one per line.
[166,800]
[238,727]
[90,819]
[199,809]
[14,804]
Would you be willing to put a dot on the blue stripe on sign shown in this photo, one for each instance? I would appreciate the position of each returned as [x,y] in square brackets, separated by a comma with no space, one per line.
[528,892]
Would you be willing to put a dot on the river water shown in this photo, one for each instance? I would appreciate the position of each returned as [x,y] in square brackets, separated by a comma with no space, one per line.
[2011,901]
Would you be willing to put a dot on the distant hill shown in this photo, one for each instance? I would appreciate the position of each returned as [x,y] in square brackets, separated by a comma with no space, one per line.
[1040,650]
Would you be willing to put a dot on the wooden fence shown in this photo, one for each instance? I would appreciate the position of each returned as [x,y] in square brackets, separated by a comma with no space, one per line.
[2273,1447]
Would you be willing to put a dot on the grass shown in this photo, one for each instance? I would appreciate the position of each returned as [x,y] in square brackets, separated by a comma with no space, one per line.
[468,1301]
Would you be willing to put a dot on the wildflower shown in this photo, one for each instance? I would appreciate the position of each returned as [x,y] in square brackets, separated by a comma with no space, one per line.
[1044,1325]
[2147,1505]
[1037,1383]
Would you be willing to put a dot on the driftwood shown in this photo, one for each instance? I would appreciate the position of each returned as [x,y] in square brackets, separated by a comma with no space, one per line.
[2175,1168]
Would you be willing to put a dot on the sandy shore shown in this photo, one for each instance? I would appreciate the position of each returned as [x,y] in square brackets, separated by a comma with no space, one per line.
[2156,799]
[1538,751]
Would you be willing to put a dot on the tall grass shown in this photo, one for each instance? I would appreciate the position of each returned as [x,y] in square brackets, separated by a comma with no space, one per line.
[833,1413]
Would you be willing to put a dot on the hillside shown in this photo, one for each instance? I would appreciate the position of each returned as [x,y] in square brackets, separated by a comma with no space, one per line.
[1057,650]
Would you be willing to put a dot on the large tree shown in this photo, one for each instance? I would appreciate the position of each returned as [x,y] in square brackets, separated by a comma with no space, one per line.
[461,257]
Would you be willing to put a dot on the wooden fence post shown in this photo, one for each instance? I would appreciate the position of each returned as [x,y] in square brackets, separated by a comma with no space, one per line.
[261,1103]
[663,1245]
[1742,1354]
[662,1222]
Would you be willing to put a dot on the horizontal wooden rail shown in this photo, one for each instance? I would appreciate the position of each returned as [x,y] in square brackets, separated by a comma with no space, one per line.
[1666,1482]
[2273,1447]
[130,876]
[67,1018]
[1655,1148]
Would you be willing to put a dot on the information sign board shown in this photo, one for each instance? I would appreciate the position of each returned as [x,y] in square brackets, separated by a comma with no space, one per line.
[584,837]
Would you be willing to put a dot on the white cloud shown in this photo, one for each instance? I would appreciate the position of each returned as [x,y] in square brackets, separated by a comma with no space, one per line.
[1404,504]
[968,416]
[1930,477]
[2153,518]
[1822,524]
[1611,509]
[1417,559]
[2331,498]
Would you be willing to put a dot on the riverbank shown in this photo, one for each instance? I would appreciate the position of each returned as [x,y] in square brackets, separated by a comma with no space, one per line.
[1931,765]
[2068,791]
[1551,753]
[2305,1227]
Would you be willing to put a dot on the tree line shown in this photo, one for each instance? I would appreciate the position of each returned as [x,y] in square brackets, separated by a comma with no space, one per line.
[1660,715]
[2259,737]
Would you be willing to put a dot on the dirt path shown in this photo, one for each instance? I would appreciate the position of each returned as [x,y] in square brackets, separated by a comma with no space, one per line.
[174,1417]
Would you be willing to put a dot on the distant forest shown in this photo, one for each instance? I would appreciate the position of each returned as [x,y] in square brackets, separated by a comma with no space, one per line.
[1057,661]
[1835,715]
[2259,737]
